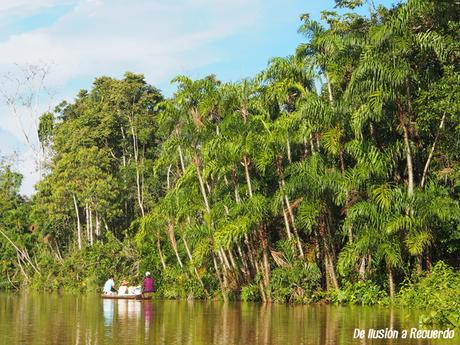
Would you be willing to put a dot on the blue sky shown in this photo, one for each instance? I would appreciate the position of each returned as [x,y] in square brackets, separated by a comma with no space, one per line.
[83,39]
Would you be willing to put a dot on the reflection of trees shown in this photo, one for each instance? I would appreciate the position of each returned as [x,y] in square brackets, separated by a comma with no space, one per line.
[61,320]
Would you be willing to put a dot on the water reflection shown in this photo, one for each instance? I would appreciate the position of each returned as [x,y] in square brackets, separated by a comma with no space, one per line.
[129,310]
[88,320]
[108,307]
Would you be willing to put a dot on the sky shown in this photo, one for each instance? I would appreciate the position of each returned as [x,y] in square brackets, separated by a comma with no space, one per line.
[79,40]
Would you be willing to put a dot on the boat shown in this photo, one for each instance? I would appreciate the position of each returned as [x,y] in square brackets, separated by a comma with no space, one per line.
[132,297]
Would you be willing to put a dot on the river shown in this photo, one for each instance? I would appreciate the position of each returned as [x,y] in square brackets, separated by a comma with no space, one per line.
[38,319]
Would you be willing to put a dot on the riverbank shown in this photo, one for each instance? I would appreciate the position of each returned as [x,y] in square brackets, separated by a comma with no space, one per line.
[435,293]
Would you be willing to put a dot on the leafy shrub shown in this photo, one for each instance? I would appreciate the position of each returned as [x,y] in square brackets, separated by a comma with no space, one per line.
[250,292]
[438,293]
[362,292]
[295,284]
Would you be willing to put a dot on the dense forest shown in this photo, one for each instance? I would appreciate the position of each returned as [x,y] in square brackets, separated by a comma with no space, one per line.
[333,174]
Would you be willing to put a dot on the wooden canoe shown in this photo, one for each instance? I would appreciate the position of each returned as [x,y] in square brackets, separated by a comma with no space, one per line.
[133,297]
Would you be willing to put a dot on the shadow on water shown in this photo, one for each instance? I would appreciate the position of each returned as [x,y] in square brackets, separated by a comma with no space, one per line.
[88,320]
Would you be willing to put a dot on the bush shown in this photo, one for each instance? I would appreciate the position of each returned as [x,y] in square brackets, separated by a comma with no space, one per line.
[295,284]
[84,270]
[438,293]
[250,292]
[362,292]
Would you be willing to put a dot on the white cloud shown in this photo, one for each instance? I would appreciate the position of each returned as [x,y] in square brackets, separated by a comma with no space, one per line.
[99,37]
[9,8]
[158,38]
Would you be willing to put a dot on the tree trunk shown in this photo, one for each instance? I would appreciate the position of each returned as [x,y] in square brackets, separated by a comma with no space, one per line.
[294,227]
[328,255]
[362,269]
[391,283]
[288,147]
[286,223]
[331,271]
[22,254]
[90,226]
[225,260]
[410,168]
[201,183]
[244,261]
[266,264]
[329,88]
[418,263]
[168,185]
[136,161]
[78,221]
[98,225]
[190,257]
[181,157]
[429,264]
[221,283]
[246,172]
[172,238]
[160,253]
[430,156]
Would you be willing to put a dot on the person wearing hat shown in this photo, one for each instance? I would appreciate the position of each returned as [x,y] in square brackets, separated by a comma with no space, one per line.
[148,285]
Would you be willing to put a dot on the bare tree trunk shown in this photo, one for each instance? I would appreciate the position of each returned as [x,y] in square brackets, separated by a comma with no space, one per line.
[168,185]
[232,260]
[312,145]
[407,134]
[266,265]
[98,225]
[245,268]
[172,238]
[288,146]
[331,270]
[136,159]
[87,223]
[181,156]
[328,255]
[22,254]
[329,88]
[224,258]
[190,257]
[294,227]
[160,253]
[410,168]
[23,271]
[78,221]
[429,264]
[286,223]
[221,284]
[418,263]
[362,269]
[246,172]
[391,283]
[90,226]
[202,188]
[430,156]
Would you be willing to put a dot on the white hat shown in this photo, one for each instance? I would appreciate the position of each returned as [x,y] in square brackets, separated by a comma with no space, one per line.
[147,274]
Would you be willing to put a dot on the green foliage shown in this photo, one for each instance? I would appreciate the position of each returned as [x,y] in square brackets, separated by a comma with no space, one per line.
[437,293]
[361,292]
[335,169]
[295,284]
[86,270]
[250,292]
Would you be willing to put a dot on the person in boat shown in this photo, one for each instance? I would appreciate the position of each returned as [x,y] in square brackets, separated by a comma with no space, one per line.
[109,286]
[148,284]
[123,290]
